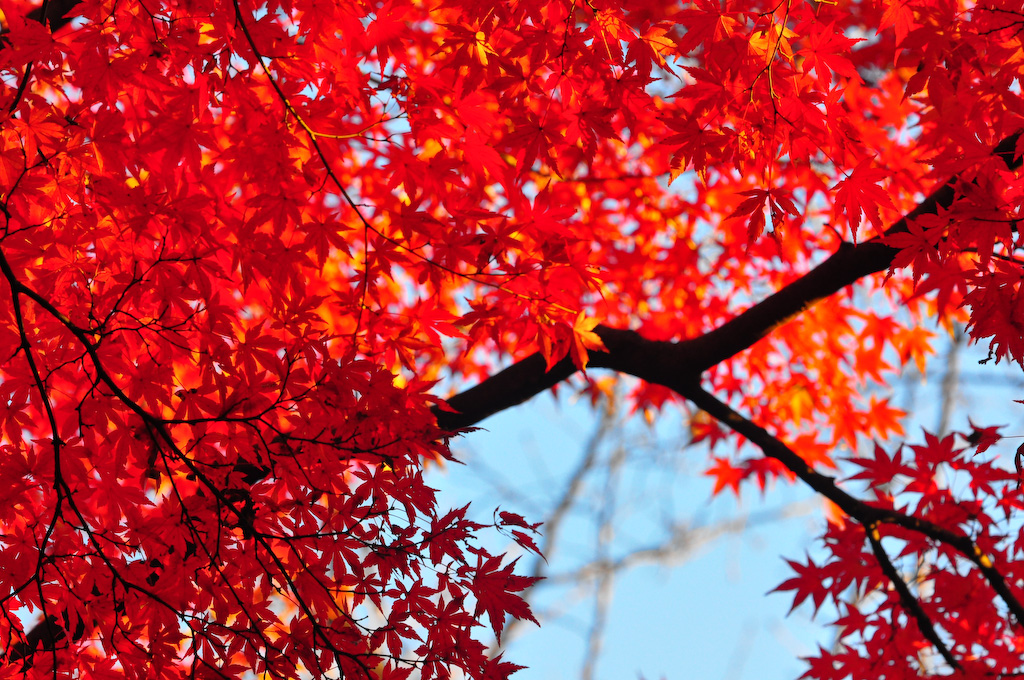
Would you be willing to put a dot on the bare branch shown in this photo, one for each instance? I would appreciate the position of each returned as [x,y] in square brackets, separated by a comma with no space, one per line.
[685,540]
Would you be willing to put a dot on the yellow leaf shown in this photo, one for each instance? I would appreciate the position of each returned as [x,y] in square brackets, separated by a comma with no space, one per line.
[584,338]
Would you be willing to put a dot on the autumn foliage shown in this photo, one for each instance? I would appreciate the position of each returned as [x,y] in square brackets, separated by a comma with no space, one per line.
[247,247]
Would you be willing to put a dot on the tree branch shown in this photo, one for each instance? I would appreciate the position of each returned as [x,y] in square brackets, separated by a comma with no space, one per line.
[909,602]
[678,365]
[54,12]
[628,352]
[869,516]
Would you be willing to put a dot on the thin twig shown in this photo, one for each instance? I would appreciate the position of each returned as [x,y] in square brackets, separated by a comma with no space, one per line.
[907,599]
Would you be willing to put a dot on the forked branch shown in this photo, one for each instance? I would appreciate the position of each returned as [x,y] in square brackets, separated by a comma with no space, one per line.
[679,366]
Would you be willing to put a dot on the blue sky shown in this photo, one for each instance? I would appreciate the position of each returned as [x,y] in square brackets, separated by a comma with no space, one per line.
[706,617]
[708,614]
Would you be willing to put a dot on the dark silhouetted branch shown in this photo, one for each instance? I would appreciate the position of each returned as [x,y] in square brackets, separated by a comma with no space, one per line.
[679,364]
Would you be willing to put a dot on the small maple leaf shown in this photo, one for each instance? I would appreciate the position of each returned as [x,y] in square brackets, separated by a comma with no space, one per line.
[726,475]
[882,468]
[983,437]
[899,15]
[511,519]
[806,584]
[860,192]
[584,338]
[779,203]
[495,586]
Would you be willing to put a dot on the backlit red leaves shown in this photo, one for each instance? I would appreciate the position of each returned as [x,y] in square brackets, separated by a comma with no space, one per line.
[960,600]
[882,468]
[725,475]
[238,245]
[493,587]
[806,584]
[584,338]
[861,193]
[777,203]
[983,437]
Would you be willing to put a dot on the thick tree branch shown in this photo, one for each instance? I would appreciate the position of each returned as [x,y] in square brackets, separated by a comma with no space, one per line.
[628,352]
[678,365]
[56,13]
[846,266]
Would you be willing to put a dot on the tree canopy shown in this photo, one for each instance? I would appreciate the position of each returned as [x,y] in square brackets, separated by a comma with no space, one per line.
[261,261]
